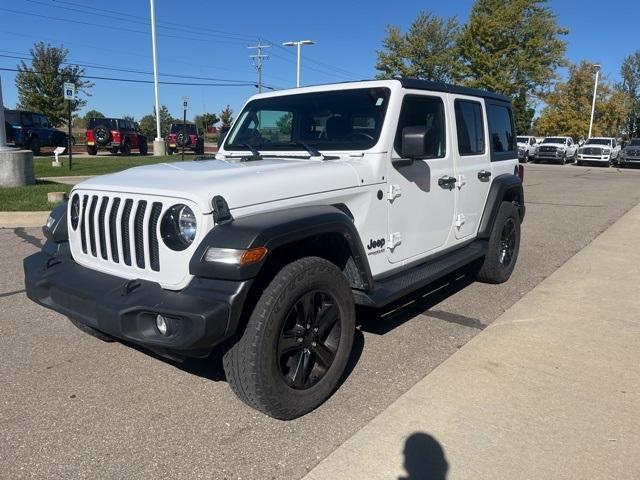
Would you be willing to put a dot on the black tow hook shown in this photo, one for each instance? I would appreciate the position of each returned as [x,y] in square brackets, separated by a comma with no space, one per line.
[130,286]
[51,262]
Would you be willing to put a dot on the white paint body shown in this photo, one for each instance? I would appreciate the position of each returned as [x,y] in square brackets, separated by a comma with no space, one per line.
[566,147]
[426,218]
[600,150]
[527,148]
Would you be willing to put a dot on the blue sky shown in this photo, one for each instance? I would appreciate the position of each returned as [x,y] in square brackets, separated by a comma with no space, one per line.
[198,38]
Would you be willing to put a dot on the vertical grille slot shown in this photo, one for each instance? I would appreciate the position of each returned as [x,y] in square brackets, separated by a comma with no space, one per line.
[101,233]
[138,233]
[124,224]
[83,236]
[92,231]
[153,236]
[113,233]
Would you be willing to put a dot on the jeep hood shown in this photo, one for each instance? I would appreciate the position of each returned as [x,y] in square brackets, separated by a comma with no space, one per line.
[240,183]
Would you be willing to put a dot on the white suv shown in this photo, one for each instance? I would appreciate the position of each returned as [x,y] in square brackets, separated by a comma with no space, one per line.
[526,148]
[599,150]
[556,149]
[320,199]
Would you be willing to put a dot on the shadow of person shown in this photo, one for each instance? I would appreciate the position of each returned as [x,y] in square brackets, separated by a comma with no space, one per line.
[424,458]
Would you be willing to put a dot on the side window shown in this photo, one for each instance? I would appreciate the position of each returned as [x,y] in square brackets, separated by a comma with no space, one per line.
[27,119]
[532,141]
[470,127]
[501,132]
[425,112]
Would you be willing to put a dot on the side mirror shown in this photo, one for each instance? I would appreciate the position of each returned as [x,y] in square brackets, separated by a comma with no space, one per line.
[413,143]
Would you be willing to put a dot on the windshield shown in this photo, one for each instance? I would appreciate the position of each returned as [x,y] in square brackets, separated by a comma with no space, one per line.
[554,140]
[523,139]
[12,117]
[634,143]
[336,120]
[189,128]
[110,123]
[598,141]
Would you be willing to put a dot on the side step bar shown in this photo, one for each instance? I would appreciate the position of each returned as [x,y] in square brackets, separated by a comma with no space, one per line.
[397,286]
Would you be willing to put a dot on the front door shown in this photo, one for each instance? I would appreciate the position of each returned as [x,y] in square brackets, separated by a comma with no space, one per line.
[472,163]
[420,208]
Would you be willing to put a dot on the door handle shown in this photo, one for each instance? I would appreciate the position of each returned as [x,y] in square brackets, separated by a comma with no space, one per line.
[484,174]
[447,182]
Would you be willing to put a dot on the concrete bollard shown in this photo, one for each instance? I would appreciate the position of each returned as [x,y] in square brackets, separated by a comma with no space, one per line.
[16,168]
[56,197]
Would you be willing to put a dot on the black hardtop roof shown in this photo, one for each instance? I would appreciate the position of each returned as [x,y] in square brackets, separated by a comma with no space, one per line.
[417,84]
[23,111]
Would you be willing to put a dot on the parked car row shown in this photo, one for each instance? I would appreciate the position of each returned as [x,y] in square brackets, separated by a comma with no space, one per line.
[597,151]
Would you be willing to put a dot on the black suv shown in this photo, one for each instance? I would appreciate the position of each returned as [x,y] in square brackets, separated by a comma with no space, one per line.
[32,130]
[115,134]
[187,136]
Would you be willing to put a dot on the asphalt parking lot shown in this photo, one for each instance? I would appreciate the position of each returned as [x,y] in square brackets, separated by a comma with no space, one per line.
[75,407]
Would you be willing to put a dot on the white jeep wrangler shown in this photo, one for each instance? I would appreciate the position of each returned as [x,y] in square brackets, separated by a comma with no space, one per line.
[320,199]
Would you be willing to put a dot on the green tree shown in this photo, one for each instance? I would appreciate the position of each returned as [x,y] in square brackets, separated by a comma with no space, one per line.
[512,47]
[40,85]
[131,118]
[226,116]
[93,114]
[148,126]
[567,108]
[630,73]
[428,50]
[208,119]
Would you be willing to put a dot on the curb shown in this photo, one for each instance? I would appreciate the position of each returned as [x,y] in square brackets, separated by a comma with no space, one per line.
[23,219]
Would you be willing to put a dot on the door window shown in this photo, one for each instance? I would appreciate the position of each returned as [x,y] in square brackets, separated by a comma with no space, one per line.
[27,119]
[470,127]
[424,112]
[501,131]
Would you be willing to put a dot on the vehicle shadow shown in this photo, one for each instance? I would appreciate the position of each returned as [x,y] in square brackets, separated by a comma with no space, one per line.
[424,458]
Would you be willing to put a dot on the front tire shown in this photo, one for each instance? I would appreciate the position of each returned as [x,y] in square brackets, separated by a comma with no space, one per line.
[296,345]
[504,245]
[125,149]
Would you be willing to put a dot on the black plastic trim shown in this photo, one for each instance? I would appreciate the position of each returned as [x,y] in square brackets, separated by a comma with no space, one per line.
[503,186]
[416,84]
[204,314]
[58,232]
[273,230]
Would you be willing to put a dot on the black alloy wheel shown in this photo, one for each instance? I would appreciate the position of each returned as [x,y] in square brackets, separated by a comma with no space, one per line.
[507,242]
[309,339]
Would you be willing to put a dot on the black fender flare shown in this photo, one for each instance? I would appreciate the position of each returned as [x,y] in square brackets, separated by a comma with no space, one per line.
[504,187]
[276,229]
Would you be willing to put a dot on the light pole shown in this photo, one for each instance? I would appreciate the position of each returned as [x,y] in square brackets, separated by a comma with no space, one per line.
[298,44]
[593,104]
[158,144]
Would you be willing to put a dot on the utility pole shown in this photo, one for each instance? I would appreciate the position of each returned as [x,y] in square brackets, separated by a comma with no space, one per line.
[593,104]
[258,61]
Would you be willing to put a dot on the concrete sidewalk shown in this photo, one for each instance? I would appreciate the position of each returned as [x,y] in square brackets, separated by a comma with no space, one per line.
[550,390]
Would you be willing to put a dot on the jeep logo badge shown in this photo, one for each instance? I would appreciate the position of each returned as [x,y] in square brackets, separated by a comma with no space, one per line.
[375,243]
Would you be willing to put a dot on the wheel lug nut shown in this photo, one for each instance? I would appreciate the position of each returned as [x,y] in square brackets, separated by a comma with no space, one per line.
[308,326]
[313,344]
[315,330]
[299,339]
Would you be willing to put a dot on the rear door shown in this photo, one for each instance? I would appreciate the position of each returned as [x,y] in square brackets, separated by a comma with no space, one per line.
[472,163]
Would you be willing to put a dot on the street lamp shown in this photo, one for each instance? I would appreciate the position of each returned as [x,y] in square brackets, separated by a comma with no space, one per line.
[298,44]
[593,104]
[158,144]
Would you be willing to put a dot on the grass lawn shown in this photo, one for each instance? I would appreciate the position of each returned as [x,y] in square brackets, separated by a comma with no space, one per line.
[98,165]
[32,198]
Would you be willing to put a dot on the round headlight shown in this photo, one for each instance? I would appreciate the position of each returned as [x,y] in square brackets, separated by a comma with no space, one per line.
[178,227]
[75,211]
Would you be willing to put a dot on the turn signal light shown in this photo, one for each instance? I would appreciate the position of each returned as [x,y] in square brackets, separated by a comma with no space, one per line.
[253,255]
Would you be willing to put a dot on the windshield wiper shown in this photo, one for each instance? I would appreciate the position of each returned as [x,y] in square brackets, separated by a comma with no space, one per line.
[313,151]
[255,154]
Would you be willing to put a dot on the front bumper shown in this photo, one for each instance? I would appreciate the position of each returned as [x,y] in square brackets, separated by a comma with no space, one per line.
[594,158]
[201,316]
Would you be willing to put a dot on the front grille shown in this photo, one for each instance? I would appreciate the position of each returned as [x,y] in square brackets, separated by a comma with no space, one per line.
[107,231]
[592,151]
[633,153]
[548,149]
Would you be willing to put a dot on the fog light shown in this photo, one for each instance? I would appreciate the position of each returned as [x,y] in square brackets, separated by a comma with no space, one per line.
[161,324]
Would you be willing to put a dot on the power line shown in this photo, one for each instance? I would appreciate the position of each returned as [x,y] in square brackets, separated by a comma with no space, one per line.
[133,80]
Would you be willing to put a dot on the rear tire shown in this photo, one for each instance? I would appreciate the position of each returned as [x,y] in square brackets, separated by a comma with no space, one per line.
[92,150]
[34,145]
[91,331]
[143,147]
[504,245]
[125,149]
[296,345]
[169,151]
